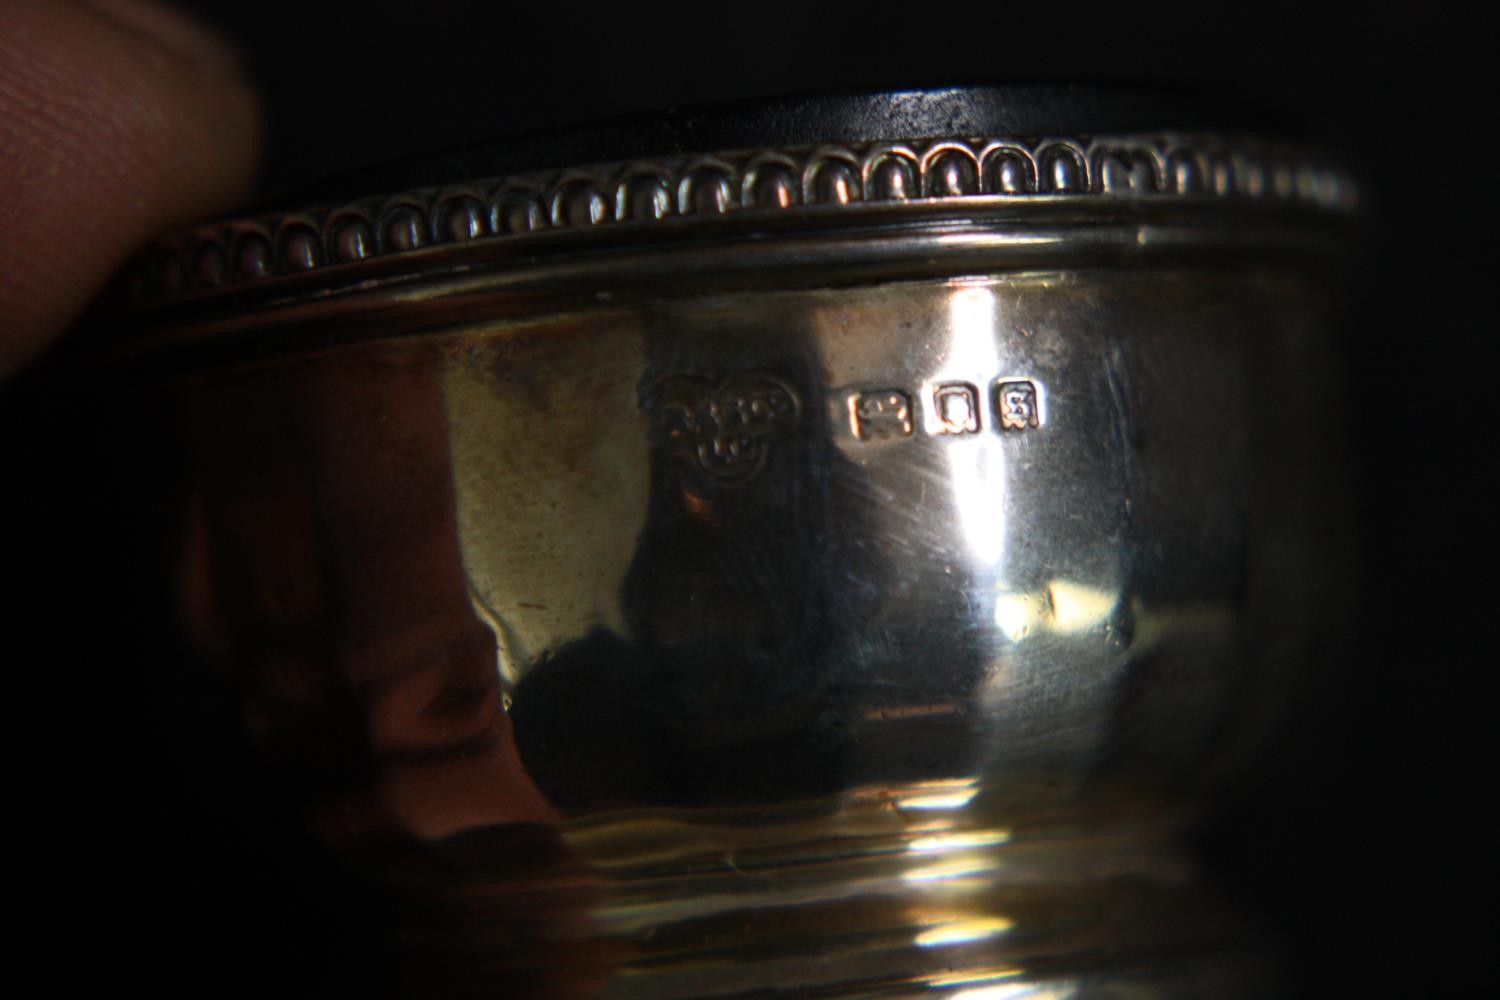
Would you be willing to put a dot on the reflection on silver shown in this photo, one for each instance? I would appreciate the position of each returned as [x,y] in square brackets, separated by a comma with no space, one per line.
[963,931]
[942,794]
[976,465]
[958,841]
[1015,991]
[950,869]
[1062,607]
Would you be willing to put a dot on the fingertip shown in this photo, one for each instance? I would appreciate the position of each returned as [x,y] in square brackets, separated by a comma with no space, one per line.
[116,121]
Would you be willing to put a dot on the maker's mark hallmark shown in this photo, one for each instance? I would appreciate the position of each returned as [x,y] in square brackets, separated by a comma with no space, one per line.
[726,430]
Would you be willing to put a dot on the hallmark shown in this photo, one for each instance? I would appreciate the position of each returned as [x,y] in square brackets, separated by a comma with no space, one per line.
[884,413]
[956,407]
[950,409]
[1016,404]
[726,430]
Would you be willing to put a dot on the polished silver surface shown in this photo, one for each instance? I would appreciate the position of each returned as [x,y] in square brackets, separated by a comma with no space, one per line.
[850,600]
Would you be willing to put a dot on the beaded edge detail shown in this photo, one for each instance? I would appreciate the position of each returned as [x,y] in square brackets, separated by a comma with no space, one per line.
[253,250]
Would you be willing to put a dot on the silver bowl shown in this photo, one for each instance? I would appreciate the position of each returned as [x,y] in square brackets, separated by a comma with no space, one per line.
[842,570]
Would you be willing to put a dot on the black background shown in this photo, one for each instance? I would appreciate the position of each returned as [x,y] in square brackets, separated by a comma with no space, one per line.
[170,859]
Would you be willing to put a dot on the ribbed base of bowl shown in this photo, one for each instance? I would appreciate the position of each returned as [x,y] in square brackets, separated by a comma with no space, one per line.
[886,893]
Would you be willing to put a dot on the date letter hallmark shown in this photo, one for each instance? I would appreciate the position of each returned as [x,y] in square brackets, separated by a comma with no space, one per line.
[726,430]
[1016,404]
[884,413]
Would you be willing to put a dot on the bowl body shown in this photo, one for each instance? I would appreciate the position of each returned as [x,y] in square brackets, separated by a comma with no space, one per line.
[853,566]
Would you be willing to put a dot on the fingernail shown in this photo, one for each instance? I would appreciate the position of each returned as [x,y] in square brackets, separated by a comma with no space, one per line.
[172,30]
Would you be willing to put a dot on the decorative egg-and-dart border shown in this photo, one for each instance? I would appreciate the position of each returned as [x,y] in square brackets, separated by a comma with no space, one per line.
[767,180]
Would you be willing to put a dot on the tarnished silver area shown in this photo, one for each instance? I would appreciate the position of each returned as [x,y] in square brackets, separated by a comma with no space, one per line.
[849,595]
